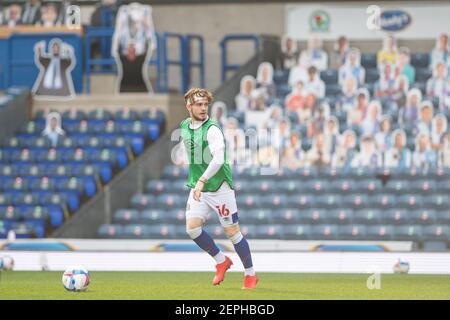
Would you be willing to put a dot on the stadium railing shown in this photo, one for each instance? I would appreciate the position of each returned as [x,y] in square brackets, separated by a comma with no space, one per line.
[223,45]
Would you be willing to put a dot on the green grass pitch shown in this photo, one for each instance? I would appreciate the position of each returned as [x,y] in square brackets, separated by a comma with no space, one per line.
[197,285]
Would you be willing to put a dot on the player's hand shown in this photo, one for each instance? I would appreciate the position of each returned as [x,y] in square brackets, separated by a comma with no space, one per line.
[198,190]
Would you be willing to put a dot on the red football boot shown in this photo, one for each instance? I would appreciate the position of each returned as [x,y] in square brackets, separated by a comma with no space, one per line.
[221,268]
[250,282]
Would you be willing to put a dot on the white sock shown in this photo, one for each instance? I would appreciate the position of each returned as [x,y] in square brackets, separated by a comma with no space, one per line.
[220,257]
[249,271]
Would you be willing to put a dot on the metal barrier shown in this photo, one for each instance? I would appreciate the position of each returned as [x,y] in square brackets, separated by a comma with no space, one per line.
[199,64]
[167,62]
[235,37]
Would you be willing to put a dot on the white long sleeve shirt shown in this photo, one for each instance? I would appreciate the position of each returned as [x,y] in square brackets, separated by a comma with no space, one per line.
[216,144]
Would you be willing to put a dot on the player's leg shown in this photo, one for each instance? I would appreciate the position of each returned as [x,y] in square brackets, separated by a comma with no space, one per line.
[242,248]
[223,202]
[196,213]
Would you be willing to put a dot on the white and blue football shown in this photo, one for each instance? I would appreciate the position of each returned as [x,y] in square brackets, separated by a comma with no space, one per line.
[76,279]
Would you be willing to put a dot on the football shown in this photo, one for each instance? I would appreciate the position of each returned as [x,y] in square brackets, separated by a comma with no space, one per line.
[76,279]
[6,263]
[401,266]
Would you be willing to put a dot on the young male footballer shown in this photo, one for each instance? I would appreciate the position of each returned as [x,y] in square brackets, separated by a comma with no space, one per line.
[211,184]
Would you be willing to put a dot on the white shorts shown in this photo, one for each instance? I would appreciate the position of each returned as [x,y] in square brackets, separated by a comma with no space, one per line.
[222,202]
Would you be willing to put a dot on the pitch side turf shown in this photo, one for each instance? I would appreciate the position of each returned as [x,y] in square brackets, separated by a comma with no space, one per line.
[197,285]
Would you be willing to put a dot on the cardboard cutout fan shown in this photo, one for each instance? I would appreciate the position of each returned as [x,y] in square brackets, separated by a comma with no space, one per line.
[133,43]
[54,79]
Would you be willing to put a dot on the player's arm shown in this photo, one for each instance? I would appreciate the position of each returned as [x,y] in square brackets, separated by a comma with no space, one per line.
[216,143]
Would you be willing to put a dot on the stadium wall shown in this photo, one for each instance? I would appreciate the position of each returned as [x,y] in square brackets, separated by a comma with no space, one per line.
[301,262]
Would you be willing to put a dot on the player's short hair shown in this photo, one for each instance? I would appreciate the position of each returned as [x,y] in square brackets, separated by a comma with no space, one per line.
[189,97]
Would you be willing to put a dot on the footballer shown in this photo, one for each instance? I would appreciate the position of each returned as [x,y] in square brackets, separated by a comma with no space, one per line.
[211,184]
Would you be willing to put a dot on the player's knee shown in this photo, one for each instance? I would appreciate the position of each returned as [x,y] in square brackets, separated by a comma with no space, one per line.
[194,223]
[194,233]
[232,231]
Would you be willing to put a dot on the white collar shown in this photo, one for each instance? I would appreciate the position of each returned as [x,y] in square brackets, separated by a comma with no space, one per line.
[197,124]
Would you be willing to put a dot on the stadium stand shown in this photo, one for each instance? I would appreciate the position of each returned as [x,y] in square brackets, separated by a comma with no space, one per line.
[349,196]
[43,185]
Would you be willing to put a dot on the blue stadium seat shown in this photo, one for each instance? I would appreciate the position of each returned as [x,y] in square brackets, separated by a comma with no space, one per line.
[100,114]
[179,186]
[372,75]
[380,232]
[161,231]
[423,74]
[273,201]
[214,231]
[339,216]
[126,216]
[170,201]
[344,186]
[436,232]
[301,201]
[8,170]
[248,201]
[153,129]
[110,231]
[160,186]
[420,60]
[9,213]
[369,186]
[297,232]
[248,231]
[263,186]
[437,201]
[136,231]
[157,117]
[26,230]
[332,90]
[329,201]
[313,216]
[395,216]
[281,76]
[176,216]
[77,115]
[318,186]
[286,216]
[324,232]
[367,216]
[256,216]
[409,201]
[443,186]
[152,216]
[142,201]
[369,60]
[290,186]
[422,186]
[269,232]
[356,201]
[382,201]
[397,187]
[352,232]
[443,216]
[422,216]
[329,76]
[170,172]
[283,90]
[408,232]
[126,115]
